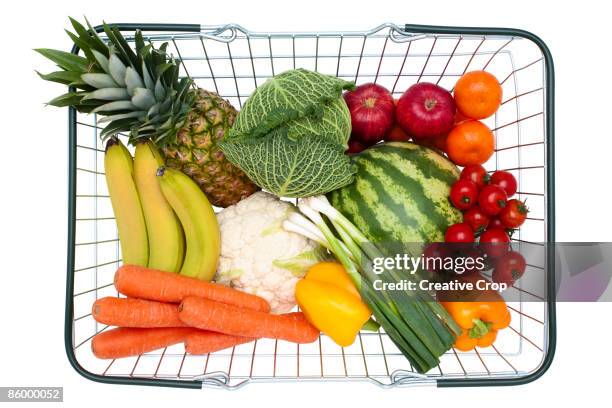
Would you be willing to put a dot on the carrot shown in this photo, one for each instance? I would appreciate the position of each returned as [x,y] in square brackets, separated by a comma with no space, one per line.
[135,313]
[203,342]
[219,317]
[151,284]
[129,341]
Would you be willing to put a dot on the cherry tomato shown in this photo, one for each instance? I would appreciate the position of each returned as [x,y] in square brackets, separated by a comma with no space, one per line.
[514,214]
[492,199]
[509,268]
[476,173]
[505,180]
[495,222]
[477,219]
[464,194]
[459,233]
[474,261]
[495,242]
[434,255]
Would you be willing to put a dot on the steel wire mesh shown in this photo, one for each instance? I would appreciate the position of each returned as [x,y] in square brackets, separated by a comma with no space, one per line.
[233,62]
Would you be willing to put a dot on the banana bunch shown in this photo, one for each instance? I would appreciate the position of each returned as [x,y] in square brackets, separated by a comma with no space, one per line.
[164,220]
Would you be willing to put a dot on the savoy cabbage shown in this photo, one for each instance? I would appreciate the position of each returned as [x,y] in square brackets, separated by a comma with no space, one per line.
[291,135]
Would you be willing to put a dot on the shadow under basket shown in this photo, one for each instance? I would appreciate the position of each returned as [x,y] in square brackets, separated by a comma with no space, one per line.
[233,61]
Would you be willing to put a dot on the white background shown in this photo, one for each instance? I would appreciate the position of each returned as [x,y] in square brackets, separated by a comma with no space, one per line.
[33,170]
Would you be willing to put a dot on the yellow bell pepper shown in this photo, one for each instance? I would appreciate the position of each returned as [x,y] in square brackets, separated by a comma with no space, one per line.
[331,302]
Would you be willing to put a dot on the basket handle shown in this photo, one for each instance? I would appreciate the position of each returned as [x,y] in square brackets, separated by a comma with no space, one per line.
[152,27]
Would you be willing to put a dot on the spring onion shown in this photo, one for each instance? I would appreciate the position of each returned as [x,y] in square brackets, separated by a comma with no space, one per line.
[418,325]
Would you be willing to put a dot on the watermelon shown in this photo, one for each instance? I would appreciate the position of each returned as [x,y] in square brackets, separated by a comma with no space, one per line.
[400,194]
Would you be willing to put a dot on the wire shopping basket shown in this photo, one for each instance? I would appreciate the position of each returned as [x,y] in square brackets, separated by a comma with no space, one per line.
[233,61]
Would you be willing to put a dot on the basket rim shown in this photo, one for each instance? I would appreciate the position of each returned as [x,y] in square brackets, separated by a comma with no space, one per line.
[409,28]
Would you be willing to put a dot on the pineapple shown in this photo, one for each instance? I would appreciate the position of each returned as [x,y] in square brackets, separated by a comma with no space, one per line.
[198,155]
[139,92]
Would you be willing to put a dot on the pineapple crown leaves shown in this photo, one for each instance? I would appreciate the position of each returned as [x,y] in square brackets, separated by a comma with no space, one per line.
[135,90]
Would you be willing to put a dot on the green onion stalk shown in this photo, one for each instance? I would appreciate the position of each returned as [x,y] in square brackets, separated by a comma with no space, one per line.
[419,326]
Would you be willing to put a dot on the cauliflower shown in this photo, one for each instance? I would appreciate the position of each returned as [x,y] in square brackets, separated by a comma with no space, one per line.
[258,256]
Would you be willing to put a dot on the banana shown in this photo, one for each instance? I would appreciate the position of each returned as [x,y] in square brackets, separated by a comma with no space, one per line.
[202,236]
[166,239]
[119,169]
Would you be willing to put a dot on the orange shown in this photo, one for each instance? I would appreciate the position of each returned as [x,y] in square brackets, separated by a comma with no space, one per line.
[470,142]
[478,94]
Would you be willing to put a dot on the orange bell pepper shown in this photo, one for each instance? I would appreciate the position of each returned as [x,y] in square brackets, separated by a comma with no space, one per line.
[479,319]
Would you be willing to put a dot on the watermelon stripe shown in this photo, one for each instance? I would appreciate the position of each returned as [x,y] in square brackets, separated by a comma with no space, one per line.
[351,200]
[421,159]
[373,226]
[400,194]
[395,208]
[413,189]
